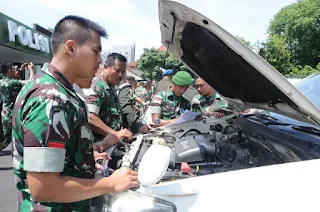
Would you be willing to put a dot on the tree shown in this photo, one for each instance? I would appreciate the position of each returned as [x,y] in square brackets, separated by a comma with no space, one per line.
[274,51]
[302,71]
[244,41]
[299,25]
[152,60]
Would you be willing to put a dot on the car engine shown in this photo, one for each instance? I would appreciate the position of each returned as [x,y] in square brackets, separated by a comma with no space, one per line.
[197,148]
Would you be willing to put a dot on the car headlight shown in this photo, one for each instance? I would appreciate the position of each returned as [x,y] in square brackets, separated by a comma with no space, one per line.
[130,201]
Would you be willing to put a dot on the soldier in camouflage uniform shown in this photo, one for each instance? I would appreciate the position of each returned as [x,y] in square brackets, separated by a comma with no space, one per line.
[10,87]
[149,87]
[137,95]
[168,105]
[103,104]
[207,102]
[53,158]
[143,94]
[1,128]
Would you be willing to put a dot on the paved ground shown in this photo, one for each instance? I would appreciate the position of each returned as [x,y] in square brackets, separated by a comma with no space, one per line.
[8,193]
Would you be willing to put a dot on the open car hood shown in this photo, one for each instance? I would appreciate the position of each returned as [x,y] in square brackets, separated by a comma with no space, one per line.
[237,73]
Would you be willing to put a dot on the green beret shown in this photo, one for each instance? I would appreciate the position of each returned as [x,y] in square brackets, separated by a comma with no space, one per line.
[182,78]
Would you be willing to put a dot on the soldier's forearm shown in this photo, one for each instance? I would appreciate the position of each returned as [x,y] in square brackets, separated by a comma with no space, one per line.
[31,73]
[162,121]
[52,187]
[166,122]
[140,101]
[98,126]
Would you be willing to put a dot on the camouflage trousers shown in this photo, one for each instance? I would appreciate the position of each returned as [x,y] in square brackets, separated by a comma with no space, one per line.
[2,144]
[6,131]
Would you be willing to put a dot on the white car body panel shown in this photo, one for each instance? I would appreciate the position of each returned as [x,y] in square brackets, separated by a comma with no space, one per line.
[285,187]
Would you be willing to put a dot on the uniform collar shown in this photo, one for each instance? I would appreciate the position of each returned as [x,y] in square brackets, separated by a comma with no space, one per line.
[214,96]
[52,71]
[100,77]
[169,93]
[6,77]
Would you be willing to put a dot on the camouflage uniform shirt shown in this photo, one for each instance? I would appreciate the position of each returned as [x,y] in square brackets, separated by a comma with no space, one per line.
[51,134]
[10,89]
[143,94]
[102,100]
[207,105]
[168,105]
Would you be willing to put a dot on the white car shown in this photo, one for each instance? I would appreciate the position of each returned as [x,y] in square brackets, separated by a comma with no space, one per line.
[239,162]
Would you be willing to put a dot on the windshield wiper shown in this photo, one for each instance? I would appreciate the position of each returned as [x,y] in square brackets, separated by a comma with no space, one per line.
[271,120]
[262,115]
[311,130]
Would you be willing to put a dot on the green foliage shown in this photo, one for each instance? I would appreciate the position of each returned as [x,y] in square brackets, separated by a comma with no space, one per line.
[293,44]
[276,53]
[302,71]
[152,60]
[299,24]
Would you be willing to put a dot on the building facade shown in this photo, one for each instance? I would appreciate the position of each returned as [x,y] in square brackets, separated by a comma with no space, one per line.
[20,43]
[128,51]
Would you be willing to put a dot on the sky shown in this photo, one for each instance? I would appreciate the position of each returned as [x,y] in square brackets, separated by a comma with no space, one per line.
[136,21]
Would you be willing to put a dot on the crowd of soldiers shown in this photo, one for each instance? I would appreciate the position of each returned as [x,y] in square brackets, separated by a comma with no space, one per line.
[60,121]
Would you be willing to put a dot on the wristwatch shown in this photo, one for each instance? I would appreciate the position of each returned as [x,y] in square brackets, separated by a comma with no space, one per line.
[157,122]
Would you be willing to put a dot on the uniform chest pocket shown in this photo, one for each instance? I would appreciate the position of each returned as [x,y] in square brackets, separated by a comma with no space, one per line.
[84,150]
[168,106]
[83,116]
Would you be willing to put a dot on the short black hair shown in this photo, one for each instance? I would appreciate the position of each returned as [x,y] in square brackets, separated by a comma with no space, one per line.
[113,56]
[5,67]
[74,28]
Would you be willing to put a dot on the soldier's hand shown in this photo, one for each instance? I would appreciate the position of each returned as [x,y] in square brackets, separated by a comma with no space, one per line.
[199,117]
[124,133]
[111,139]
[146,103]
[99,158]
[136,108]
[145,129]
[218,114]
[123,179]
[23,66]
[30,66]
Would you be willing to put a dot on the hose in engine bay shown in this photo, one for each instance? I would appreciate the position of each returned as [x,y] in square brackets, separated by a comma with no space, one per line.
[187,131]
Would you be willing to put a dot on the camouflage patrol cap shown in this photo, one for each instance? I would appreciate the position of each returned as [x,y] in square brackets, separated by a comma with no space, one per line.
[182,78]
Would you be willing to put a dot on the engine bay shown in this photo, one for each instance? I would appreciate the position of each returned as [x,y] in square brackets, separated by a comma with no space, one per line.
[199,148]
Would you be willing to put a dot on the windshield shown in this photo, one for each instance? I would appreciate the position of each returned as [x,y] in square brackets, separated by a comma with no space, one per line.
[310,87]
